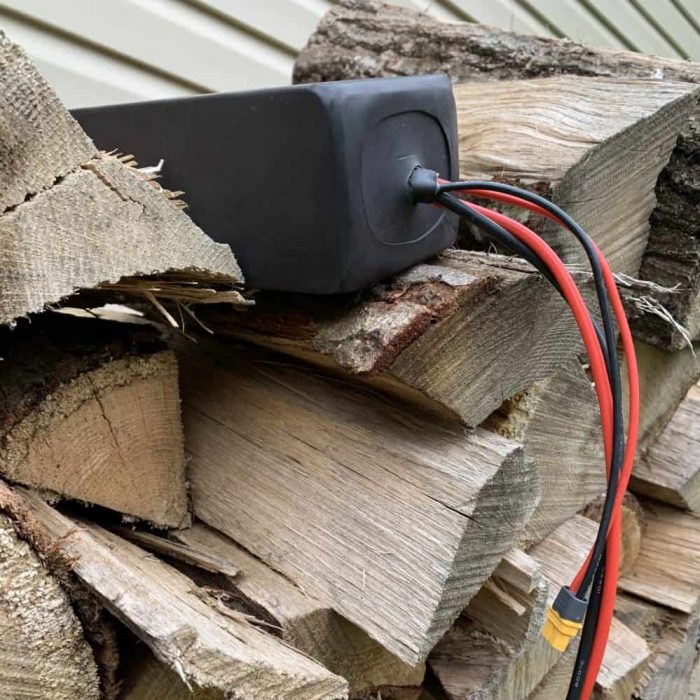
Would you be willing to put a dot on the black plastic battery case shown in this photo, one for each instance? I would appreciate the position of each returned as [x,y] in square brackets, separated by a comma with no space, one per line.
[308,183]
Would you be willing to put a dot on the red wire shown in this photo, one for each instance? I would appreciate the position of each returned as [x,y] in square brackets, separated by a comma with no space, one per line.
[614,531]
[579,309]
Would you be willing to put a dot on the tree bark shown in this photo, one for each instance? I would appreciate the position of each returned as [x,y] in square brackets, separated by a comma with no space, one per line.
[366,38]
[458,335]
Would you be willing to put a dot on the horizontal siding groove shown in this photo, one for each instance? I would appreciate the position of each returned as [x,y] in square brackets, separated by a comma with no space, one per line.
[121,50]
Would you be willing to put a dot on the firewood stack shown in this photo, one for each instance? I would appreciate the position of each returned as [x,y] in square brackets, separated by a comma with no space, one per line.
[375,496]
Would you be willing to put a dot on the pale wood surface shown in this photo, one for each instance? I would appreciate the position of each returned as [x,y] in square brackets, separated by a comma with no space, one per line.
[664,379]
[41,142]
[496,650]
[672,639]
[395,517]
[486,652]
[366,38]
[92,413]
[221,654]
[558,423]
[43,650]
[460,334]
[575,139]
[200,556]
[72,218]
[670,469]
[305,621]
[667,571]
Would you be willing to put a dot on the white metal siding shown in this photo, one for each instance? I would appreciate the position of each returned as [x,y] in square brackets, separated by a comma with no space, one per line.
[101,51]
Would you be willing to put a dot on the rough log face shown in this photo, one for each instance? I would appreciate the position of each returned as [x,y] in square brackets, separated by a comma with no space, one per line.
[575,139]
[558,423]
[43,649]
[395,517]
[672,638]
[670,469]
[495,651]
[303,620]
[72,218]
[665,378]
[223,655]
[366,38]
[667,571]
[459,334]
[90,411]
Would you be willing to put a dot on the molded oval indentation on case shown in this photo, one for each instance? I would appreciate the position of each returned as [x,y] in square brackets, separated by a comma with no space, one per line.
[392,149]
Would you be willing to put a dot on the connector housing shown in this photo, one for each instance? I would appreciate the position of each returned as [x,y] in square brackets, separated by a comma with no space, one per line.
[564,619]
[308,183]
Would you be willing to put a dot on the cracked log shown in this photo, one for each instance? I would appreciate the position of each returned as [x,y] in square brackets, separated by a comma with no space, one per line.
[496,651]
[670,468]
[667,570]
[90,411]
[73,218]
[303,620]
[558,424]
[459,334]
[365,38]
[672,638]
[665,378]
[219,656]
[43,649]
[396,518]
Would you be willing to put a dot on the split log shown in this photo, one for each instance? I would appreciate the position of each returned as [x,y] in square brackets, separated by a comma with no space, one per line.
[558,423]
[672,638]
[304,621]
[486,654]
[394,517]
[91,412]
[667,571]
[495,650]
[458,335]
[73,218]
[670,469]
[632,528]
[43,649]
[664,380]
[217,656]
[570,137]
[366,38]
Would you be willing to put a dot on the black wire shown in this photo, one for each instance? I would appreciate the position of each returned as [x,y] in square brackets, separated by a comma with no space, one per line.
[609,349]
[587,635]
[512,243]
[594,575]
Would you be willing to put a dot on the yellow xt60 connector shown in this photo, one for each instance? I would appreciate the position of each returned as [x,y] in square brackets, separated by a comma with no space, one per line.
[564,619]
[559,632]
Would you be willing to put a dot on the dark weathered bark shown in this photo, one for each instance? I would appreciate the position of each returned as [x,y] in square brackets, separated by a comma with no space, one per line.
[365,38]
